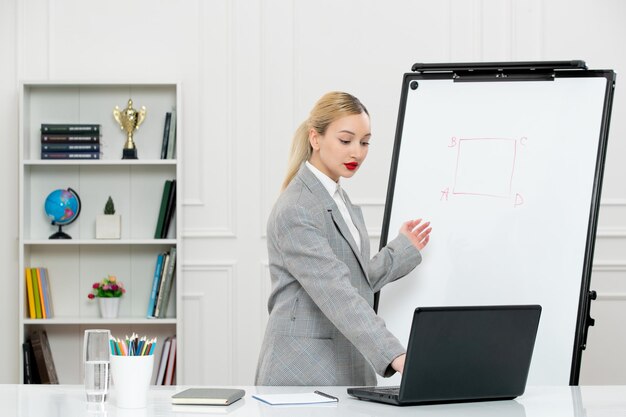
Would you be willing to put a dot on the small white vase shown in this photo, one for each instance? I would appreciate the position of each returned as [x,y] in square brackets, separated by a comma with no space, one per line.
[109,307]
[108,226]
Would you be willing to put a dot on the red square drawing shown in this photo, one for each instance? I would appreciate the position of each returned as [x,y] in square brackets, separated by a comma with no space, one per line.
[485,166]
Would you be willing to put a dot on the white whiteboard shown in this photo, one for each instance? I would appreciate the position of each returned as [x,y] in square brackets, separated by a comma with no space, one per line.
[505,173]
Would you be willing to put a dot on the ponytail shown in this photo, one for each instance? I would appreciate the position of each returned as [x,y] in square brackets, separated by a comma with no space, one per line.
[301,151]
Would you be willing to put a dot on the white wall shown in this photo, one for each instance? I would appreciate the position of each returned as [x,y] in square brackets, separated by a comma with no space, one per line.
[250,71]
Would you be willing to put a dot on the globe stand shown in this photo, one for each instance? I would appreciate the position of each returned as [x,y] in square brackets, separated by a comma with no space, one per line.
[60,234]
[62,208]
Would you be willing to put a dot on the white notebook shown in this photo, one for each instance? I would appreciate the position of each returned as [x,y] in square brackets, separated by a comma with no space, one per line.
[296,398]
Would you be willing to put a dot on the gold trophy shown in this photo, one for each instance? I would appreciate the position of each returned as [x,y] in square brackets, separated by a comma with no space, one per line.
[129,120]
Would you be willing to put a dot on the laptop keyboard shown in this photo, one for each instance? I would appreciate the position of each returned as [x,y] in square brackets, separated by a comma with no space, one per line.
[386,390]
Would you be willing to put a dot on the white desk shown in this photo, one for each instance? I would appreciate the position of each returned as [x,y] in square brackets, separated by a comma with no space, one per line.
[69,401]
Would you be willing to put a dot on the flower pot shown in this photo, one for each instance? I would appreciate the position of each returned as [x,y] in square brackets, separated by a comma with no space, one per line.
[109,307]
[108,226]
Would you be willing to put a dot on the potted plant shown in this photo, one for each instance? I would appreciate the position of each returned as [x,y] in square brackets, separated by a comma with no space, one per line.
[109,224]
[108,291]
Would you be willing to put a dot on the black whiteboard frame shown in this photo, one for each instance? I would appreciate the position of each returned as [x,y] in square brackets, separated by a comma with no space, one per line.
[521,71]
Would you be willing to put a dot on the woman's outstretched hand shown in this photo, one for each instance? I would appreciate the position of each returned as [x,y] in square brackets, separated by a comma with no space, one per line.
[417,231]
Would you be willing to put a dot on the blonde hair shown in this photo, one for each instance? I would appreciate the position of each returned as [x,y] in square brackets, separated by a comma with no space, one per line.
[330,107]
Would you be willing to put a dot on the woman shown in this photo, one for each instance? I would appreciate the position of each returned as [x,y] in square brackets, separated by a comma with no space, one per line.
[322,329]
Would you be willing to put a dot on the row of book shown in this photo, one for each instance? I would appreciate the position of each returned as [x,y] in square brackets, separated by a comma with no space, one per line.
[166,374]
[82,140]
[166,209]
[168,146]
[38,293]
[38,365]
[39,368]
[162,283]
[39,299]
[70,141]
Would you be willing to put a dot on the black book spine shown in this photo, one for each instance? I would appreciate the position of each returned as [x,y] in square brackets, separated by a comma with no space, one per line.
[74,147]
[70,155]
[28,376]
[34,372]
[36,341]
[158,233]
[70,138]
[73,128]
[171,208]
[166,135]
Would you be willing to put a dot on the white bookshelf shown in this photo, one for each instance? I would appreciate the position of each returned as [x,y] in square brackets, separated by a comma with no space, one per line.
[136,187]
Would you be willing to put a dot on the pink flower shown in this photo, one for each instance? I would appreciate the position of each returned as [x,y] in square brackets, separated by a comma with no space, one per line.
[107,287]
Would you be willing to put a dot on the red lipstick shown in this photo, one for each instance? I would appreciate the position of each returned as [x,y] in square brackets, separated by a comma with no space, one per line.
[351,165]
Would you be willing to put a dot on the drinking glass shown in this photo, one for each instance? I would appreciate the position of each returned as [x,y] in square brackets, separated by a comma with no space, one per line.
[96,356]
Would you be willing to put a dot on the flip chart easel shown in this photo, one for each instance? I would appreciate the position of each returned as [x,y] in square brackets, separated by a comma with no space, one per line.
[506,161]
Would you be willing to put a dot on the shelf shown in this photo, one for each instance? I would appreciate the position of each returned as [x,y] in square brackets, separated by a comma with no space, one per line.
[136,187]
[96,242]
[100,162]
[97,320]
[86,83]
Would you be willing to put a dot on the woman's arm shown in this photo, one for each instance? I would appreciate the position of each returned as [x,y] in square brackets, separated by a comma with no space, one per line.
[401,255]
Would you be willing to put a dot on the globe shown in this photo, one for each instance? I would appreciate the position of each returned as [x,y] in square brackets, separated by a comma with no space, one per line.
[62,208]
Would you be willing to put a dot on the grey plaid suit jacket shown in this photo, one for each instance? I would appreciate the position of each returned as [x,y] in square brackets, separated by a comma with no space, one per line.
[322,329]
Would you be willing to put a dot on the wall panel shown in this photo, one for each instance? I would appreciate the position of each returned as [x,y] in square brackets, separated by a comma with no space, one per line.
[210,205]
[208,330]
[278,119]
[9,29]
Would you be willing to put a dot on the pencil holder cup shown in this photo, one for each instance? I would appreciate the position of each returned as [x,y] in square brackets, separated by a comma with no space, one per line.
[131,380]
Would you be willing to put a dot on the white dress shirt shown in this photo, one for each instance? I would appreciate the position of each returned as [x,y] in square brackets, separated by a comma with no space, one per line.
[335,191]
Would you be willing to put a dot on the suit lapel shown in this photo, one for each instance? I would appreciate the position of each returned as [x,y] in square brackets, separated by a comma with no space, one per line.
[318,189]
[345,232]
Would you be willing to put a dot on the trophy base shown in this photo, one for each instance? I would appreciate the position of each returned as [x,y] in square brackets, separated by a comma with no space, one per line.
[129,153]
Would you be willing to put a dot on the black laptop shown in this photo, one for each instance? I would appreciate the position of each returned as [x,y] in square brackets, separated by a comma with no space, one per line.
[459,354]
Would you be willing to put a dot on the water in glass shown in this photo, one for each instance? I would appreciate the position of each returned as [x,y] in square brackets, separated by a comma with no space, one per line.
[96,380]
[96,357]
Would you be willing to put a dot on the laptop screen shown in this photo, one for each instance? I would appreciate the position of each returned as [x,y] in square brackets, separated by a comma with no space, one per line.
[469,353]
